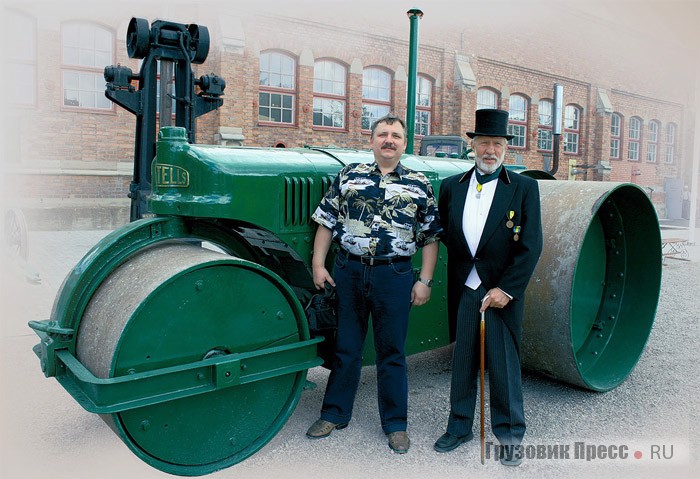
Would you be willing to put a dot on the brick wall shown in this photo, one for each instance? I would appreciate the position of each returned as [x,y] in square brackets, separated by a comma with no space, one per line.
[50,137]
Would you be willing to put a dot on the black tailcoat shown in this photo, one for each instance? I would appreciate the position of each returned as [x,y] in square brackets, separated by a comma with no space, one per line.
[501,260]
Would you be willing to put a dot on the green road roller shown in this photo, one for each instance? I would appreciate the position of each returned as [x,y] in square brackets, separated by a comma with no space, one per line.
[185,329]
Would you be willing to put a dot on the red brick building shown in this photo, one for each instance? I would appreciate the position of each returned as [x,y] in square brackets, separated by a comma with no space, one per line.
[309,74]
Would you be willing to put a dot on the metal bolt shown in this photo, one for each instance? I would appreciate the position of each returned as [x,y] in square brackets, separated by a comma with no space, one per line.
[199,285]
[280,315]
[145,425]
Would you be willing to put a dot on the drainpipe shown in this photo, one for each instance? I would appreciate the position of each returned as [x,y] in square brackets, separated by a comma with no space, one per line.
[414,15]
[556,126]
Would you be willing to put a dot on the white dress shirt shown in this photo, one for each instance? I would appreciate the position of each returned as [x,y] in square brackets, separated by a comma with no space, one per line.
[476,210]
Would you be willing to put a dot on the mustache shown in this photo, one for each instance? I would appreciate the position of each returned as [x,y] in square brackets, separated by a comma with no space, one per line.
[490,157]
[388,146]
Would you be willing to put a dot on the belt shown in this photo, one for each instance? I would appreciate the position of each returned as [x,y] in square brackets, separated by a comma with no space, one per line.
[376,260]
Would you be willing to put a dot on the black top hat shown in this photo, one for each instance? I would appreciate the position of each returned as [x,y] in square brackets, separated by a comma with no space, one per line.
[491,122]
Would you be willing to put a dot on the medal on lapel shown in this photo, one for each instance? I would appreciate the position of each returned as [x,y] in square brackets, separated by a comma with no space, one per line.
[509,217]
[516,236]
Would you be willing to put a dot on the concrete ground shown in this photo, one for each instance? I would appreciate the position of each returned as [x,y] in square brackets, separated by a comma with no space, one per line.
[653,414]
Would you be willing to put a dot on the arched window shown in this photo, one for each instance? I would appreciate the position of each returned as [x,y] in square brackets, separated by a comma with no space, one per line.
[21,59]
[277,94]
[653,141]
[87,50]
[544,127]
[517,121]
[424,100]
[330,80]
[634,136]
[376,95]
[669,156]
[486,98]
[572,129]
[615,135]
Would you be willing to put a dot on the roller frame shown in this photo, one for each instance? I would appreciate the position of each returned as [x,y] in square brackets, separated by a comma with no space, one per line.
[106,396]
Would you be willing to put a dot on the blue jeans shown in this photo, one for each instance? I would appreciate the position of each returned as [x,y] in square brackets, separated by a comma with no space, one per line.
[384,291]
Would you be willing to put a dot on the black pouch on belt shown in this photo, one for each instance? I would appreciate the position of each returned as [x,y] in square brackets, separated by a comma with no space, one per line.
[321,310]
[323,321]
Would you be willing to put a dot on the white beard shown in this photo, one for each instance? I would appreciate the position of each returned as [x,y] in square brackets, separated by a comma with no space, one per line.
[485,169]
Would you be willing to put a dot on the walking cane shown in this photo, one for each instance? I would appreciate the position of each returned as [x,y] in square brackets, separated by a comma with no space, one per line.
[482,336]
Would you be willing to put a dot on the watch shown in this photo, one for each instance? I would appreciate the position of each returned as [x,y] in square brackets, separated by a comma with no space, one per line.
[427,282]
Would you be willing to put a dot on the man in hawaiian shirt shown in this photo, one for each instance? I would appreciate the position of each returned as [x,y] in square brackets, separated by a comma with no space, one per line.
[379,214]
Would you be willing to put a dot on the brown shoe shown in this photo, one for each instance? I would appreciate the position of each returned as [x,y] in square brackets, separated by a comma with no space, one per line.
[399,442]
[322,428]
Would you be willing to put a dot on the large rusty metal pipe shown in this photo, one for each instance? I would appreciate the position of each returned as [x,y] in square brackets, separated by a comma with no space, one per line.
[591,302]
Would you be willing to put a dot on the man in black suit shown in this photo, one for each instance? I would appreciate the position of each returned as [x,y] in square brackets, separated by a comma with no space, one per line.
[493,233]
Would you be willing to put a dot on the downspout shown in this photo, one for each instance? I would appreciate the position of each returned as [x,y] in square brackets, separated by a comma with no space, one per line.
[556,127]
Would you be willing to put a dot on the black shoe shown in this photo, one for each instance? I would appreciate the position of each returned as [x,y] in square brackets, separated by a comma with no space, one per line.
[511,456]
[448,442]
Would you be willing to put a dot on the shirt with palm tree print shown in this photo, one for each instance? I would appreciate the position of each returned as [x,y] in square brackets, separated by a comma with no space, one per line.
[380,215]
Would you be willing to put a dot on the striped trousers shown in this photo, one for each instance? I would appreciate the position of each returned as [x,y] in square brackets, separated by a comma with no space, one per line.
[503,364]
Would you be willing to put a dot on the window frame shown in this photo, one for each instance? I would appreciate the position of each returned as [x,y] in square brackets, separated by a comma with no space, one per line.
[82,70]
[424,114]
[634,138]
[653,141]
[482,91]
[671,138]
[546,126]
[282,91]
[326,98]
[517,125]
[616,138]
[572,132]
[375,108]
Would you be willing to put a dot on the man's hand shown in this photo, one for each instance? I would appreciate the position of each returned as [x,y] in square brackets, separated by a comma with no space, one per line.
[495,298]
[321,275]
[420,294]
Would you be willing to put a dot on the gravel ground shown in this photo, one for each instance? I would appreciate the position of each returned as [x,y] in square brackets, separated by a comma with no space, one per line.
[655,409]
